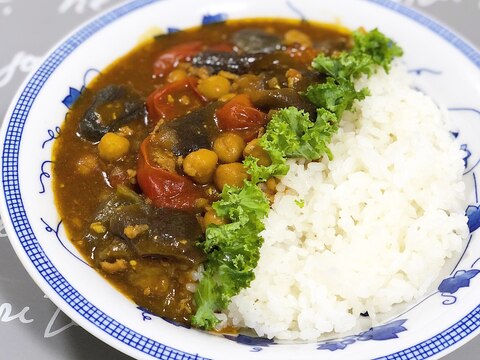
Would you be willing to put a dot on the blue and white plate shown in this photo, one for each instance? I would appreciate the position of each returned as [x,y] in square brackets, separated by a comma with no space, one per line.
[443,65]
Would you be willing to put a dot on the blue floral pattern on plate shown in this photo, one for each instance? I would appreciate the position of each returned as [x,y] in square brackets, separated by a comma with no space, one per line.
[214,18]
[460,280]
[378,333]
[74,93]
[257,343]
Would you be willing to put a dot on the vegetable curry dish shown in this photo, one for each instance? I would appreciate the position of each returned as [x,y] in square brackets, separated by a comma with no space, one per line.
[169,160]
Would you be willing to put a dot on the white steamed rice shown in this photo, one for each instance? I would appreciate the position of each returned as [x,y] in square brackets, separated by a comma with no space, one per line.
[377,224]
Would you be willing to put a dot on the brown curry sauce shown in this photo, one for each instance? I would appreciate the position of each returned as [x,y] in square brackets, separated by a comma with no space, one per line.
[145,249]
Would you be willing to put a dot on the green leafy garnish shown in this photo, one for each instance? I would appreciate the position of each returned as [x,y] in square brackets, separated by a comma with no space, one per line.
[293,134]
[372,48]
[377,46]
[290,133]
[233,249]
[335,95]
[338,93]
[300,203]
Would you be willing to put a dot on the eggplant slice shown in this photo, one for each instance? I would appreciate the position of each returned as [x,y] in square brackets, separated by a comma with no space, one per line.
[113,107]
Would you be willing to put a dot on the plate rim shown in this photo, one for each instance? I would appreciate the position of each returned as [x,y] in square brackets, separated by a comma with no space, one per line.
[22,102]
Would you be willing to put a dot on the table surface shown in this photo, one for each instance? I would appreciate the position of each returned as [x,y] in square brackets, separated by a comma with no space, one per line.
[27,30]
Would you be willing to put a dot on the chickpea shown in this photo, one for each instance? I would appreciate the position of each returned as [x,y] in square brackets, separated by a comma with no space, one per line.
[229,147]
[200,165]
[233,174]
[253,148]
[211,217]
[297,37]
[176,75]
[214,87]
[112,147]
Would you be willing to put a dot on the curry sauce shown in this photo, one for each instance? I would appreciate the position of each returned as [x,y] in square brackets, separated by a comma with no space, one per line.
[150,143]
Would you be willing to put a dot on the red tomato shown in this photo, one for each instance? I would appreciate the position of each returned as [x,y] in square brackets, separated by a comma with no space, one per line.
[161,106]
[238,114]
[170,58]
[164,188]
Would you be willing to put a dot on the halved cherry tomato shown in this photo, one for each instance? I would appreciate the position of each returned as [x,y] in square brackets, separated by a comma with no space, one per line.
[170,58]
[238,114]
[164,103]
[164,188]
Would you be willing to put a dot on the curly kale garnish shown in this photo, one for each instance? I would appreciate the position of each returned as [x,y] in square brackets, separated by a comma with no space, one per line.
[233,249]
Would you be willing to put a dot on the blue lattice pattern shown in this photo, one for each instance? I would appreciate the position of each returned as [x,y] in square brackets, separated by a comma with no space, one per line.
[440,342]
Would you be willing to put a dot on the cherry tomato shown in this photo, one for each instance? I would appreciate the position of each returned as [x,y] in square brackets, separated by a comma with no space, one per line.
[164,188]
[166,102]
[170,58]
[239,115]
